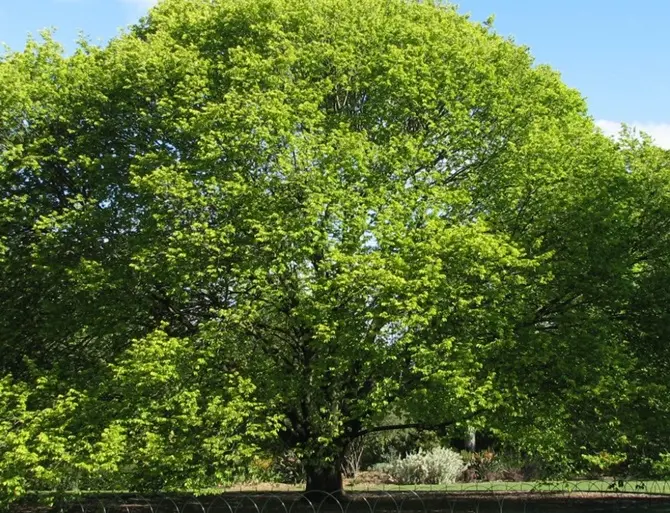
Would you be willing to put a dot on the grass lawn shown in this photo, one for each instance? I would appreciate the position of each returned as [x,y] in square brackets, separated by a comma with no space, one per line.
[581,486]
[484,497]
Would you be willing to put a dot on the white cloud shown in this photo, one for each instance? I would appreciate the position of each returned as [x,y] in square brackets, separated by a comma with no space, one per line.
[659,132]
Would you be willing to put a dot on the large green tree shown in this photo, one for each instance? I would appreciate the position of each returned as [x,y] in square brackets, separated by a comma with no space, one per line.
[310,213]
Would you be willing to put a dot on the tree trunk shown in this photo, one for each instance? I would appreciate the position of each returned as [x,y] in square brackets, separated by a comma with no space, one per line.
[324,481]
[471,439]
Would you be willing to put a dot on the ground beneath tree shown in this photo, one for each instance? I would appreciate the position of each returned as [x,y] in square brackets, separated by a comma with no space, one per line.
[372,501]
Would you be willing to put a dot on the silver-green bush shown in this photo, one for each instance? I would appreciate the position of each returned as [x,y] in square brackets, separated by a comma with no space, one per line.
[437,466]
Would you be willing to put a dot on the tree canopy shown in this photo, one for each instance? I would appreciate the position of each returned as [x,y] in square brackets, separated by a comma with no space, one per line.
[249,224]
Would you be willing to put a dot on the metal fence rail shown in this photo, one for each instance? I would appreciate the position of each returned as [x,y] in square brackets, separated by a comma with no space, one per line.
[549,497]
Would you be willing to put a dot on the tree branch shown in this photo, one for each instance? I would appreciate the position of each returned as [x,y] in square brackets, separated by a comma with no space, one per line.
[421,426]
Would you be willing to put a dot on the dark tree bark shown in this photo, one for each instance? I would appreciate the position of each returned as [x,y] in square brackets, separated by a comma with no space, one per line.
[325,480]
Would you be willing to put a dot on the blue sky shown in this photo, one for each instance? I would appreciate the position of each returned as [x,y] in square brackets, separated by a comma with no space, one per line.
[616,52]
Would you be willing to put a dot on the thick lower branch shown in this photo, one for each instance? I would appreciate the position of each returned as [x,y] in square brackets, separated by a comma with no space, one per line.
[421,426]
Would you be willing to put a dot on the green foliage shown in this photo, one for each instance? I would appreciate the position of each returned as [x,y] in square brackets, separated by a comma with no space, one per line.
[250,224]
[604,462]
[661,467]
[287,468]
[387,445]
[154,423]
[46,447]
[188,425]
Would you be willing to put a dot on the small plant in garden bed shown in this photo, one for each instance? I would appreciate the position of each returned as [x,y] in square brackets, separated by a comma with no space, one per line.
[437,466]
[488,465]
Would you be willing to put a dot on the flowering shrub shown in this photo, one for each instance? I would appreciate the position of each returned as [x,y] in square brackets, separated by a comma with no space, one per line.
[437,466]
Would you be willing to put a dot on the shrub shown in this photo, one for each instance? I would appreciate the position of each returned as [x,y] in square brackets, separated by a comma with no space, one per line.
[386,446]
[489,466]
[287,468]
[481,465]
[604,463]
[661,468]
[437,466]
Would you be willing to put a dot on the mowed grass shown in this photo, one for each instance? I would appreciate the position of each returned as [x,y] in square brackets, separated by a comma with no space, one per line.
[548,487]
[580,488]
